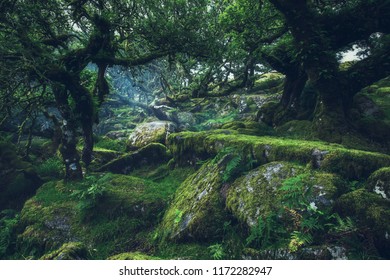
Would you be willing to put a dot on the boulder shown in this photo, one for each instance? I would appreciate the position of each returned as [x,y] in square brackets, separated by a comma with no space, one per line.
[255,194]
[197,211]
[152,132]
[371,211]
[379,182]
[186,120]
[151,154]
[280,188]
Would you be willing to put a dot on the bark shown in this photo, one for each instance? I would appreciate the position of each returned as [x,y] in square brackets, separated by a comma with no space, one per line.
[294,84]
[86,115]
[68,126]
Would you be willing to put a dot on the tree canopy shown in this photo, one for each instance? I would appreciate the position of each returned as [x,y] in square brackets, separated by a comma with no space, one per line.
[200,47]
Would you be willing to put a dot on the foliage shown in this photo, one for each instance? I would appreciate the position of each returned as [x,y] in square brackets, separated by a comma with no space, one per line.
[8,222]
[90,197]
[267,232]
[235,162]
[217,251]
[52,167]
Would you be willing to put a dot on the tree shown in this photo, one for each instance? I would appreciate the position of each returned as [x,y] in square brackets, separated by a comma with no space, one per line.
[321,29]
[48,44]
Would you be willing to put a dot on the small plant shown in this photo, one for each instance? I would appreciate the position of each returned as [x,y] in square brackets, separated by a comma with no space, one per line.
[217,251]
[266,232]
[235,162]
[342,226]
[231,168]
[53,167]
[298,239]
[90,197]
[293,192]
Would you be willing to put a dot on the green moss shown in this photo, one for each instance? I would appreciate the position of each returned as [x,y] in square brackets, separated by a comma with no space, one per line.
[372,213]
[349,163]
[109,144]
[249,127]
[68,251]
[120,220]
[132,256]
[297,129]
[151,154]
[379,182]
[186,251]
[197,210]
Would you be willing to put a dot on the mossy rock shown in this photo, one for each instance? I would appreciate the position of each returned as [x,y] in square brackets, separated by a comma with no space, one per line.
[249,127]
[372,214]
[101,156]
[132,256]
[254,195]
[118,219]
[18,178]
[324,252]
[349,163]
[153,132]
[151,154]
[197,211]
[379,182]
[68,251]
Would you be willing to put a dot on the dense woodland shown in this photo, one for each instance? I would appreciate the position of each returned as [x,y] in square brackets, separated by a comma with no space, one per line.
[205,129]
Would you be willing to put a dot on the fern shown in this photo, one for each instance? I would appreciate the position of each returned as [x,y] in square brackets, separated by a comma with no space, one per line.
[342,225]
[217,251]
[266,232]
[293,193]
[299,239]
[89,198]
[231,168]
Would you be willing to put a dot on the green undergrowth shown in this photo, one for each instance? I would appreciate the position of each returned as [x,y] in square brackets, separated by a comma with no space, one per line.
[350,163]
